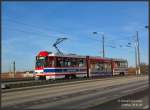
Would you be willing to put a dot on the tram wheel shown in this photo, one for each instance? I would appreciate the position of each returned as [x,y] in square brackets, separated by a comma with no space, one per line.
[67,76]
[73,76]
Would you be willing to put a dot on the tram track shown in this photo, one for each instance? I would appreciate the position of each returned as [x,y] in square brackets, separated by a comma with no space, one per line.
[42,84]
[61,89]
[68,92]
[77,95]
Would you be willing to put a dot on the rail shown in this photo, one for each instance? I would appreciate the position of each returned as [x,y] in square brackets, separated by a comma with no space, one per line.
[6,87]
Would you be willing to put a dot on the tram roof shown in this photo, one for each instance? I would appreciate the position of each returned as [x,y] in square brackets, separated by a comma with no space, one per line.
[67,55]
[83,56]
[119,59]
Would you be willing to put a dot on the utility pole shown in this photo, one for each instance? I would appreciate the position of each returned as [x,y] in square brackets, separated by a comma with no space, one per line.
[10,69]
[103,45]
[138,52]
[147,27]
[136,58]
[14,68]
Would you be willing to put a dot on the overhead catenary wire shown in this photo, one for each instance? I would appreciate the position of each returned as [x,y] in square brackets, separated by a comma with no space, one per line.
[48,29]
[112,43]
[114,46]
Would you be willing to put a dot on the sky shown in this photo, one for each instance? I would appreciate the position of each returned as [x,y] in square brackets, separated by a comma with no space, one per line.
[30,27]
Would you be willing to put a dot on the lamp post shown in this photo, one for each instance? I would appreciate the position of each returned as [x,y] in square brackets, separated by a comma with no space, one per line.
[138,52]
[147,27]
[14,68]
[136,65]
[135,48]
[102,43]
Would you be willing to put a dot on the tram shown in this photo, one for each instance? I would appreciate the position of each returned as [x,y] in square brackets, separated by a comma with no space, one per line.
[54,66]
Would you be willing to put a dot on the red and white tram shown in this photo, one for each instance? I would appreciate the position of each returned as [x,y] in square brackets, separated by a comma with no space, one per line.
[53,66]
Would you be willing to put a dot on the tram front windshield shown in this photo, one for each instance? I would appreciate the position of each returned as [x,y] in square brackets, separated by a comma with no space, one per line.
[40,61]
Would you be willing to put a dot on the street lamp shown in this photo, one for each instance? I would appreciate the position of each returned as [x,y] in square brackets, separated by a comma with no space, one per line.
[138,51]
[102,42]
[137,54]
[129,45]
[147,27]
[12,71]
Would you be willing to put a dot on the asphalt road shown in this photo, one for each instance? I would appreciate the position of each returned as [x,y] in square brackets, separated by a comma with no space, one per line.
[138,100]
[77,96]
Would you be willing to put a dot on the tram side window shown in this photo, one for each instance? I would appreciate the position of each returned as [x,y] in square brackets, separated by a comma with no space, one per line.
[73,62]
[116,64]
[126,64]
[123,64]
[59,62]
[107,67]
[102,66]
[92,66]
[70,62]
[50,62]
[99,66]
[64,62]
[81,63]
[67,62]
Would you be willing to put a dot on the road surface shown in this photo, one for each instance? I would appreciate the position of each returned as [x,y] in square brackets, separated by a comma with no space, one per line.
[138,100]
[75,96]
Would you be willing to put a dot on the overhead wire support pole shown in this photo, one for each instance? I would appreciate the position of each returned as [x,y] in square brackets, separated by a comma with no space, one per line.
[138,52]
[103,45]
[136,57]
[135,49]
[10,69]
[14,68]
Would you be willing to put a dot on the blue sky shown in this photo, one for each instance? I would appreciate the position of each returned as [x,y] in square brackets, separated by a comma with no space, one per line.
[29,27]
